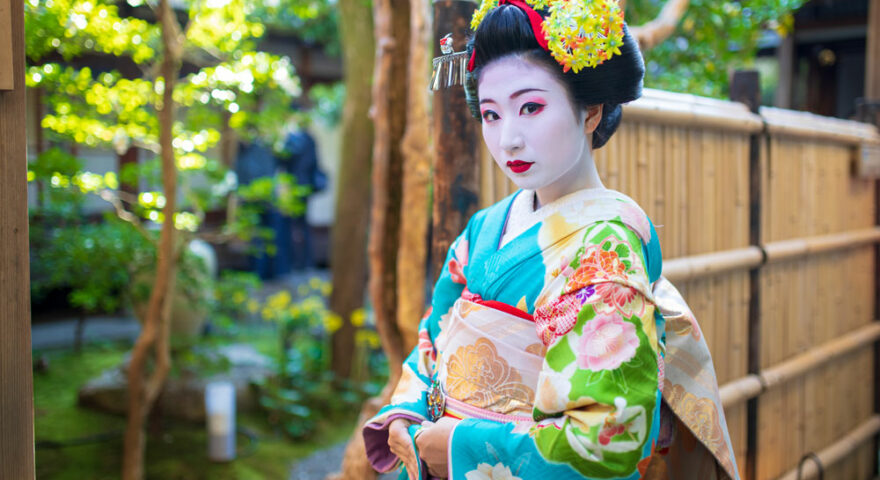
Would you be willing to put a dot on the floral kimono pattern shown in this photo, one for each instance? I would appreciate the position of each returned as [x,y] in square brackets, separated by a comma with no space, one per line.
[548,348]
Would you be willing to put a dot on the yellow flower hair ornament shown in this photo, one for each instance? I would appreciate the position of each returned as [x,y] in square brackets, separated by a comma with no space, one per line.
[577,33]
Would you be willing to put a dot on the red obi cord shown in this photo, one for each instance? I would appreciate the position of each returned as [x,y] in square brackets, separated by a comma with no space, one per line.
[509,309]
[534,19]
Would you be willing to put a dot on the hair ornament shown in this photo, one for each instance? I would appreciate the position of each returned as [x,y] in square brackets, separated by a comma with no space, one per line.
[578,33]
[449,68]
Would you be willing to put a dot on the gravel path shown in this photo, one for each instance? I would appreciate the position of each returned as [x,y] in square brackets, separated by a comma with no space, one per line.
[320,464]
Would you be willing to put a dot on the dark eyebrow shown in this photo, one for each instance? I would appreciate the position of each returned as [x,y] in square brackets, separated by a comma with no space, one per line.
[514,94]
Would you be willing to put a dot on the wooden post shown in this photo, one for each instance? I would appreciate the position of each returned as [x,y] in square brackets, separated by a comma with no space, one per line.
[7,48]
[872,112]
[785,57]
[456,142]
[872,54]
[16,381]
[745,88]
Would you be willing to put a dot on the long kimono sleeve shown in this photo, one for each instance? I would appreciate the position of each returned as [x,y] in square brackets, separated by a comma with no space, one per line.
[409,399]
[597,400]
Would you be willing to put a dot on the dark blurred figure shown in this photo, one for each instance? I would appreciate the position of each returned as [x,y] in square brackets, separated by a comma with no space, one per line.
[301,160]
[256,160]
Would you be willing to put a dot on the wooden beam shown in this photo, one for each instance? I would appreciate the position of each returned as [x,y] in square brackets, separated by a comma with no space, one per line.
[6,46]
[16,381]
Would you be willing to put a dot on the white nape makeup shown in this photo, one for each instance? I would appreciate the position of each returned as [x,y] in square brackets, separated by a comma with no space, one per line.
[536,135]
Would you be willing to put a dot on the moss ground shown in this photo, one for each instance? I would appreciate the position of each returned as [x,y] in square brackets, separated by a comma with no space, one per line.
[175,450]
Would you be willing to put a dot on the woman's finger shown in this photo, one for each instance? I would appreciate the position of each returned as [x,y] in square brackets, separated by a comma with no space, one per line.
[400,444]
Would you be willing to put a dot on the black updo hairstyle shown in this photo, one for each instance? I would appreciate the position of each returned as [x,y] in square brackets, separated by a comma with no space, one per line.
[506,31]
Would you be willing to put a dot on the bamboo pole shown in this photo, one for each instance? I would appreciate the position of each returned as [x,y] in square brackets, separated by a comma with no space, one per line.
[837,451]
[750,386]
[684,110]
[790,123]
[709,264]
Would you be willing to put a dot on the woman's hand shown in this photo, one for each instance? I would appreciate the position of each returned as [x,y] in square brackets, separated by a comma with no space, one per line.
[401,445]
[433,443]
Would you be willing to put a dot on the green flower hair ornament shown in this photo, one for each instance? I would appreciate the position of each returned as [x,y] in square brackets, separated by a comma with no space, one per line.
[579,33]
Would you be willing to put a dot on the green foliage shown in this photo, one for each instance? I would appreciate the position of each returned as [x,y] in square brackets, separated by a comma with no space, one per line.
[328,101]
[313,21]
[229,83]
[305,387]
[231,293]
[712,39]
[93,260]
[178,452]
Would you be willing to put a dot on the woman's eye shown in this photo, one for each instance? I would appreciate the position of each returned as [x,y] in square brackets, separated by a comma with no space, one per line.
[489,116]
[531,108]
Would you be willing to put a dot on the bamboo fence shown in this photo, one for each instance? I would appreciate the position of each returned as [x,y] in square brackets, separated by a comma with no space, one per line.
[686,160]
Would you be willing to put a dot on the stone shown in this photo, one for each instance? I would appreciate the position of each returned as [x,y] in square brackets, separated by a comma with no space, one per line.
[183,396]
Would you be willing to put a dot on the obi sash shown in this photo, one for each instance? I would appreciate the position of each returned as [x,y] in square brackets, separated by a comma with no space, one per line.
[492,359]
[490,365]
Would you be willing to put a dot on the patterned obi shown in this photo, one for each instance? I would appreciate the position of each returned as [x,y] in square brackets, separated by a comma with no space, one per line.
[490,363]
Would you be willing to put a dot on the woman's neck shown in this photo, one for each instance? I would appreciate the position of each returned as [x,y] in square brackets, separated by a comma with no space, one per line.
[583,176]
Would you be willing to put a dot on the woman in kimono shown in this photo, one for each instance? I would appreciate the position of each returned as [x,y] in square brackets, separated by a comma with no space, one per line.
[542,355]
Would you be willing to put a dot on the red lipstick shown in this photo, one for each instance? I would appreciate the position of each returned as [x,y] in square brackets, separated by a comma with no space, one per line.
[519,166]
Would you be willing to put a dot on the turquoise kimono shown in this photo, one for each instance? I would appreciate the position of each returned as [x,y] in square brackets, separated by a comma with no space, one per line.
[549,349]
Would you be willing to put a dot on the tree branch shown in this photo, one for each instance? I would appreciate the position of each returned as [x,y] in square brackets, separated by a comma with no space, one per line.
[654,32]
[113,198]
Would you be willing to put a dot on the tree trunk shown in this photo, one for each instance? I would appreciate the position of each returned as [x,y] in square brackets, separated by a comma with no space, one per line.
[416,177]
[348,251]
[389,120]
[389,115]
[143,391]
[456,142]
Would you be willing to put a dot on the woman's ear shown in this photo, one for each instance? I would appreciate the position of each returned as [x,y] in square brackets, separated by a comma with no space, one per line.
[594,116]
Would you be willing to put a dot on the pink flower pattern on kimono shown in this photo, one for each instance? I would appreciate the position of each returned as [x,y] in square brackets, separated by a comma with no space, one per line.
[619,298]
[607,343]
[556,318]
[458,262]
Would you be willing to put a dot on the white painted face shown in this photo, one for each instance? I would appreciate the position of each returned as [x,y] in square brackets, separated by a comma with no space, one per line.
[534,132]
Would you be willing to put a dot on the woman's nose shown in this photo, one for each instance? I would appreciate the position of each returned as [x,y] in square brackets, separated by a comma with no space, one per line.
[511,137]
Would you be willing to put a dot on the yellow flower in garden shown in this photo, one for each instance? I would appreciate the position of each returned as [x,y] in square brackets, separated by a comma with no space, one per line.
[315,283]
[358,317]
[332,322]
[279,301]
[267,313]
[238,297]
[295,310]
[367,338]
[253,306]
[326,289]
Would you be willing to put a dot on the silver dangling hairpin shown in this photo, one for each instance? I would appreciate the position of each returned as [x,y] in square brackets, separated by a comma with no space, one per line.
[454,63]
